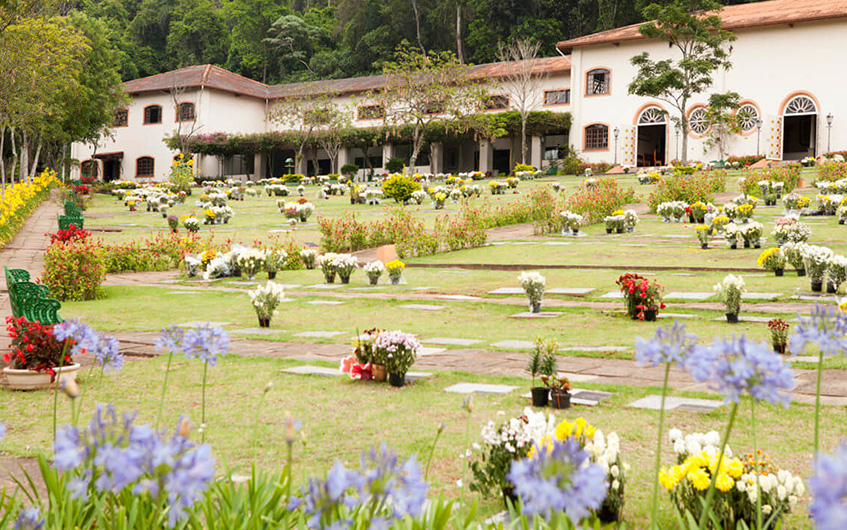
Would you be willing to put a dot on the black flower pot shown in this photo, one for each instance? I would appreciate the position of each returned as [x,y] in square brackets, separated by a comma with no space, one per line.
[373,280]
[779,348]
[345,279]
[264,322]
[535,307]
[817,287]
[650,315]
[540,396]
[691,219]
[732,318]
[831,289]
[608,230]
[509,496]
[330,279]
[620,230]
[560,400]
[397,380]
[271,275]
[704,246]
[734,246]
[576,232]
[801,272]
[608,514]
[779,272]
[746,244]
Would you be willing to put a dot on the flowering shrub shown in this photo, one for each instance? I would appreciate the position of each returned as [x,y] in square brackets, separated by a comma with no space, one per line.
[400,187]
[20,199]
[74,270]
[600,199]
[34,347]
[72,233]
[782,179]
[831,171]
[688,188]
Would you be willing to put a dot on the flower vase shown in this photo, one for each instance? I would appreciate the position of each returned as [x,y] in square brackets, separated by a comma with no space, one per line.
[779,348]
[379,373]
[779,272]
[264,322]
[535,307]
[608,230]
[607,514]
[619,230]
[801,272]
[732,318]
[344,279]
[373,280]
[330,278]
[734,246]
[560,399]
[704,246]
[831,288]
[650,315]
[576,231]
[271,275]
[302,218]
[817,286]
[395,280]
[397,380]
[746,244]
[540,396]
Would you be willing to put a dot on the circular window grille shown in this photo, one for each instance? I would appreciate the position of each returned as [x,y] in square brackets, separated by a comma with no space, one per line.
[652,116]
[748,115]
[801,105]
[698,122]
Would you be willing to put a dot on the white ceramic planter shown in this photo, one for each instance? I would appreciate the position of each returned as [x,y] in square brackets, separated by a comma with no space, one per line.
[31,380]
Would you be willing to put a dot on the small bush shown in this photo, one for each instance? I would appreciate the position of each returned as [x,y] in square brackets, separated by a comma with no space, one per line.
[400,187]
[596,169]
[349,169]
[293,178]
[571,165]
[74,270]
[831,171]
[688,188]
[789,175]
[522,167]
[600,200]
[744,161]
[394,165]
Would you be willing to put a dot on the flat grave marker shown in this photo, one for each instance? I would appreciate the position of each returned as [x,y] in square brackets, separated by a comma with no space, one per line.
[507,290]
[531,316]
[324,286]
[423,307]
[198,323]
[479,388]
[760,296]
[654,402]
[617,295]
[325,302]
[699,296]
[258,331]
[571,291]
[318,334]
[448,341]
[308,369]
[514,344]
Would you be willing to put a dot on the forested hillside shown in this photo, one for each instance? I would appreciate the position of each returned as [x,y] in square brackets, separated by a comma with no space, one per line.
[279,41]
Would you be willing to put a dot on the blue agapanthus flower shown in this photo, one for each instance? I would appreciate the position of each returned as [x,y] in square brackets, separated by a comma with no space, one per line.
[561,479]
[2,430]
[170,339]
[386,477]
[29,519]
[829,490]
[112,454]
[825,328]
[107,352]
[739,366]
[205,343]
[670,344]
[84,338]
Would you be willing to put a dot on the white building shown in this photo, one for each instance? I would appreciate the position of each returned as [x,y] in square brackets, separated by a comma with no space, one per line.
[787,66]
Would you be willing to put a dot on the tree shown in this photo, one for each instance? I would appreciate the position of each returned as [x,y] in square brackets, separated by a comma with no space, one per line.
[722,120]
[300,115]
[693,29]
[523,83]
[200,36]
[334,131]
[421,89]
[299,39]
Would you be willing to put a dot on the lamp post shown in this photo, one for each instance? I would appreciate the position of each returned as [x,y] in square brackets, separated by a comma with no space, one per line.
[289,165]
[759,124]
[829,118]
[617,132]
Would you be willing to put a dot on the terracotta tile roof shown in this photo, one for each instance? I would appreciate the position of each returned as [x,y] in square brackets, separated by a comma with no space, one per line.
[734,17]
[217,78]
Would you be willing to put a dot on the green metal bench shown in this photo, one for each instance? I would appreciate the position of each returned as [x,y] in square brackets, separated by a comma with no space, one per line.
[30,300]
[65,221]
[72,210]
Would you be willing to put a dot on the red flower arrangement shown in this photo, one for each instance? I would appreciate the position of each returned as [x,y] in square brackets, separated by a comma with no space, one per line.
[34,347]
[72,233]
[641,295]
[356,370]
[82,189]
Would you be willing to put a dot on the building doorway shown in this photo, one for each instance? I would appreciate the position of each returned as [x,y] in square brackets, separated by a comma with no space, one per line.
[502,161]
[800,127]
[111,165]
[652,133]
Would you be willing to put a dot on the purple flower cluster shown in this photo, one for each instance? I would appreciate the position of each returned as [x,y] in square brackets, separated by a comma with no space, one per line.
[29,519]
[669,345]
[826,328]
[393,341]
[112,454]
[2,430]
[202,342]
[382,483]
[559,480]
[106,349]
[737,366]
[829,488]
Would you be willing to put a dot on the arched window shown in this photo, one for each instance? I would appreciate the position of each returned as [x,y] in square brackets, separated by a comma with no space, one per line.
[145,166]
[747,117]
[652,116]
[121,118]
[801,105]
[152,114]
[185,112]
[598,81]
[698,121]
[88,168]
[596,137]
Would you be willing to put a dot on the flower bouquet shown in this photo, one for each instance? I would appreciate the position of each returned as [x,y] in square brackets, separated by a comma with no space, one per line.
[344,265]
[816,259]
[542,362]
[697,212]
[173,223]
[795,201]
[395,270]
[374,270]
[720,222]
[731,234]
[729,290]
[571,221]
[745,212]
[250,262]
[836,273]
[274,261]
[643,298]
[615,222]
[702,232]
[308,256]
[751,232]
[794,256]
[560,390]
[191,223]
[265,300]
[772,259]
[399,351]
[533,285]
[326,262]
[779,334]
[630,220]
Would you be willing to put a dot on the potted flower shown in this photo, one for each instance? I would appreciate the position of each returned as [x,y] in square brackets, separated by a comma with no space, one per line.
[570,221]
[344,265]
[173,223]
[274,260]
[719,222]
[630,220]
[542,362]
[729,291]
[35,357]
[836,273]
[374,270]
[697,212]
[816,259]
[399,351]
[308,256]
[752,234]
[326,262]
[250,262]
[395,270]
[265,300]
[560,391]
[794,256]
[731,234]
[773,259]
[779,334]
[191,223]
[533,285]
[702,232]
[643,298]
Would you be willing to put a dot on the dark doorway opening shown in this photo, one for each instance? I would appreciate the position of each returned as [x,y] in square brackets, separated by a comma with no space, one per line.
[652,145]
[799,136]
[502,161]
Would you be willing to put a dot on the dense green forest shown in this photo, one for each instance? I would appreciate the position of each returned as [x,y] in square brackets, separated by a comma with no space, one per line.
[279,41]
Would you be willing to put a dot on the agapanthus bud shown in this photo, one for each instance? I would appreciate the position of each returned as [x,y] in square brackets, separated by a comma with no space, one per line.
[69,387]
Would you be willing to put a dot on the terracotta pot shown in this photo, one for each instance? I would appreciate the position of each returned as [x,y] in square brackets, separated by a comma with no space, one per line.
[379,373]
[32,380]
[732,318]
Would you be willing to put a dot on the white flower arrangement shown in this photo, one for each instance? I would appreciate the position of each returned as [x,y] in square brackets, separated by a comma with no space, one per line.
[672,210]
[192,266]
[344,265]
[517,434]
[275,259]
[731,233]
[836,271]
[251,261]
[326,263]
[418,196]
[217,268]
[308,256]
[630,220]
[697,442]
[816,259]
[266,298]
[191,223]
[373,196]
[533,285]
[374,269]
[752,232]
[301,189]
[571,220]
[729,290]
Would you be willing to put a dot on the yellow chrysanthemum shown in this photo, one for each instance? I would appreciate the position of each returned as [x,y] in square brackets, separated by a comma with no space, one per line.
[699,479]
[724,482]
[667,480]
[564,430]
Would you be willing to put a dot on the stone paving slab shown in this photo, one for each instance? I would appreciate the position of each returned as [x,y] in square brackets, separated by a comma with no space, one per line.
[198,323]
[448,341]
[288,285]
[308,369]
[514,344]
[617,295]
[760,296]
[556,243]
[318,334]
[699,296]
[507,290]
[478,388]
[743,318]
[522,243]
[571,291]
[815,297]
[325,302]
[258,331]
[594,348]
[368,288]
[414,376]
[654,402]
[424,351]
[324,286]
[184,292]
[460,297]
[423,307]
[578,378]
[803,359]
[531,316]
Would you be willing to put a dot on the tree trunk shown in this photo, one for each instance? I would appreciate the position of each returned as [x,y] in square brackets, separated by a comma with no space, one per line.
[459,52]
[523,138]
[3,160]
[14,156]
[24,157]
[418,25]
[35,158]
[684,123]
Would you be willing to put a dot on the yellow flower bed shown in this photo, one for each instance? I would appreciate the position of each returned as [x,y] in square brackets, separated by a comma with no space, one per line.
[19,201]
[697,470]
